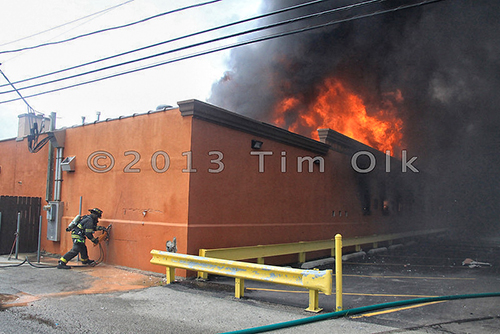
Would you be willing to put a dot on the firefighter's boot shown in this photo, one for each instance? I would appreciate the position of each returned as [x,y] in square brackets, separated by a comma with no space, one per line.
[62,265]
[91,263]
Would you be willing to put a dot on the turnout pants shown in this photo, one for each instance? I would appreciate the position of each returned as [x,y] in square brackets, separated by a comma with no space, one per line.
[78,247]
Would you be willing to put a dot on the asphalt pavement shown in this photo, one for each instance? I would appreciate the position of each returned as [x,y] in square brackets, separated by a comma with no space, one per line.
[107,299]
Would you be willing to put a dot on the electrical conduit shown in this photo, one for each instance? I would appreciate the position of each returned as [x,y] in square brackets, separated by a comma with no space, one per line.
[359,310]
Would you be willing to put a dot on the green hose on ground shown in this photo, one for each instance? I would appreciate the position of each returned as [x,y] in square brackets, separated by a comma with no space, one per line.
[359,310]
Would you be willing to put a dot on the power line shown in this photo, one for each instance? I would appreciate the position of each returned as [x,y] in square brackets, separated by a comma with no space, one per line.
[223,48]
[67,23]
[269,26]
[26,102]
[110,28]
[260,39]
[176,39]
[99,14]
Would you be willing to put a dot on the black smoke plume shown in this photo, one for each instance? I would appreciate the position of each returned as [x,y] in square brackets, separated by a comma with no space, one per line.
[444,57]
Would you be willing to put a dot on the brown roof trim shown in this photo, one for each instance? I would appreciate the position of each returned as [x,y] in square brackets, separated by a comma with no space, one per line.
[223,117]
[342,143]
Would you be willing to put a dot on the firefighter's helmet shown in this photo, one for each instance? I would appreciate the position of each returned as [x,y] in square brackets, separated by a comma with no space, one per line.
[97,211]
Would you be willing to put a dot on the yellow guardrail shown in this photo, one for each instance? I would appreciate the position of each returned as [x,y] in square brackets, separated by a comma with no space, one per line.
[259,252]
[375,239]
[314,280]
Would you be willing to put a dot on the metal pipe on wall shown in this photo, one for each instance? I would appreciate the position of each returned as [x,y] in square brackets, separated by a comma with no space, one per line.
[50,162]
[39,239]
[58,175]
[17,233]
[80,210]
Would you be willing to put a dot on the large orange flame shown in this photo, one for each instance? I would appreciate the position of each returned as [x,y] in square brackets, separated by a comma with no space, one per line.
[341,110]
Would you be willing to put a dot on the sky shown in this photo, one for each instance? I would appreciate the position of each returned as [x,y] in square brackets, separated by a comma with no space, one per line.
[123,95]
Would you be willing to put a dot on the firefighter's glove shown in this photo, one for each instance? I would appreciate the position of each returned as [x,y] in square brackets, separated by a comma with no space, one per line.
[68,229]
[101,228]
[95,241]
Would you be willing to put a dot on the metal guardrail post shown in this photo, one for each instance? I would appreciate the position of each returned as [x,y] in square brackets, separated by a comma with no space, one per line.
[17,233]
[39,239]
[239,287]
[302,257]
[338,271]
[314,301]
[170,275]
[202,275]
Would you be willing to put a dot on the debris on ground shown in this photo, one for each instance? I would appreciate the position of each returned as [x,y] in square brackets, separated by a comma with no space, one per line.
[474,264]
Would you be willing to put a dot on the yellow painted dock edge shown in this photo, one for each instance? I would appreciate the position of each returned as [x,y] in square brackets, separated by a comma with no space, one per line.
[314,280]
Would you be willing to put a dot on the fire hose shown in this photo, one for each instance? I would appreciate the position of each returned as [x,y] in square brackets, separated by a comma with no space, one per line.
[358,310]
[104,236]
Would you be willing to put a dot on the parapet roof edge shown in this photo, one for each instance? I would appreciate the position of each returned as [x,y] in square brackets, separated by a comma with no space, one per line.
[217,115]
[150,112]
[107,120]
[329,139]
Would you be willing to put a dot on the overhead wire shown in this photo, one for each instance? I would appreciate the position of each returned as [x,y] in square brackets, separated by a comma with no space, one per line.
[179,38]
[67,23]
[90,17]
[110,28]
[99,14]
[15,89]
[34,145]
[238,44]
[253,30]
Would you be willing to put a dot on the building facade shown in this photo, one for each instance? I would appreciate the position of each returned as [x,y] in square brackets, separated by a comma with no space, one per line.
[212,178]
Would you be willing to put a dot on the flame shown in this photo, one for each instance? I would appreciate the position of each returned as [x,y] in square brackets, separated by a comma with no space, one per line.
[339,109]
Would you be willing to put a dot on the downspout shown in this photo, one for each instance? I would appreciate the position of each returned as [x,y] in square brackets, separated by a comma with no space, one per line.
[50,162]
[58,175]
[57,140]
[55,207]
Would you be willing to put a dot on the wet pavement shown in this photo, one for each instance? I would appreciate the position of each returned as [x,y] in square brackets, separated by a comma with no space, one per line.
[119,300]
[25,280]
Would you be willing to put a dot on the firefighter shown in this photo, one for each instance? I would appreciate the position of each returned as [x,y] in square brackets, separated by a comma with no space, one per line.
[84,229]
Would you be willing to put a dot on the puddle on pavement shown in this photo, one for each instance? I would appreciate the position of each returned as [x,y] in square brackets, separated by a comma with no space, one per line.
[107,279]
[20,299]
[112,279]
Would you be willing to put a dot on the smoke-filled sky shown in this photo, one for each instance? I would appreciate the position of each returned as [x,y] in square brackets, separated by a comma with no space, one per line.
[442,58]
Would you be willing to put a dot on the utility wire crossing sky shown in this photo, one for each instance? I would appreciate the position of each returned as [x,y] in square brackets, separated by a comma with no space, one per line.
[26,89]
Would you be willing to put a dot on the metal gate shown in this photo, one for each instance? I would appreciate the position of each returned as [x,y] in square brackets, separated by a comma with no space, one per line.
[30,208]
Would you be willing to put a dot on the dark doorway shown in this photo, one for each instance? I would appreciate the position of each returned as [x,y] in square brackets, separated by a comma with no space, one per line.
[29,208]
